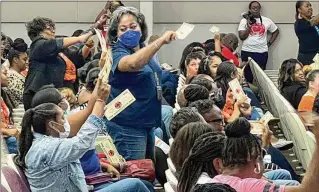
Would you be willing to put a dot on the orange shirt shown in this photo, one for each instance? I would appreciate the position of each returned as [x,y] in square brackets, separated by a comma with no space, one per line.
[5,115]
[306,103]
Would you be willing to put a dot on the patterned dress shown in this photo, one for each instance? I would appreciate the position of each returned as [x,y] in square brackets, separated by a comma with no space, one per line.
[15,87]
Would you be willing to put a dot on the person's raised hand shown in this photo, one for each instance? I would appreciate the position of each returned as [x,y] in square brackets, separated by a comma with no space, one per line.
[90,42]
[217,37]
[244,108]
[266,134]
[168,37]
[108,5]
[104,18]
[103,89]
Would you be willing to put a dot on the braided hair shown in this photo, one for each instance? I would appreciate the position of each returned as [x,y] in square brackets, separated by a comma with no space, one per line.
[241,146]
[206,148]
[286,73]
[203,82]
[195,92]
[184,141]
[182,117]
[204,66]
[224,76]
[37,119]
[213,187]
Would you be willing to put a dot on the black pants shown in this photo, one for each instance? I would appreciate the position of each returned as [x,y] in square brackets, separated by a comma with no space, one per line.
[306,58]
[260,58]
[27,99]
[160,165]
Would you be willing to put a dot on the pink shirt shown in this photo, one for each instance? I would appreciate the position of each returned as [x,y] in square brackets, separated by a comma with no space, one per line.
[243,185]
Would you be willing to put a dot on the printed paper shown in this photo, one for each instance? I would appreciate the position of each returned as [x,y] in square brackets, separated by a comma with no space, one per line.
[161,144]
[237,90]
[102,40]
[256,127]
[214,29]
[108,148]
[184,30]
[267,117]
[118,104]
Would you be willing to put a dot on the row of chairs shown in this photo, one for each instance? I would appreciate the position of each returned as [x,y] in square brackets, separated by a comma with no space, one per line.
[13,178]
[291,124]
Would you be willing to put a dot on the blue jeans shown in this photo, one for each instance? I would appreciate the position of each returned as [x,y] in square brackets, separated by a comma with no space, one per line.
[12,145]
[125,185]
[254,101]
[158,133]
[281,177]
[133,142]
[167,115]
[279,159]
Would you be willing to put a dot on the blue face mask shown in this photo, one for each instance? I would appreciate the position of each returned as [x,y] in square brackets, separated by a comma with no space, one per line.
[130,38]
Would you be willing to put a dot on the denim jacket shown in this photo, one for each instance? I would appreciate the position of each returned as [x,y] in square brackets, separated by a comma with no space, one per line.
[53,163]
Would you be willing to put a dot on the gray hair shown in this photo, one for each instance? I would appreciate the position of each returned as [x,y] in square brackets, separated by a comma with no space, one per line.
[116,17]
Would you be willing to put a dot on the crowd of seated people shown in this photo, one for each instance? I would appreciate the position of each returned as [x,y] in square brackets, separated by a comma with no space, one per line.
[190,126]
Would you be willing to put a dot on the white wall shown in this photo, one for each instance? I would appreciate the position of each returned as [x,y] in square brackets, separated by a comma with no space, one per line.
[70,15]
[285,47]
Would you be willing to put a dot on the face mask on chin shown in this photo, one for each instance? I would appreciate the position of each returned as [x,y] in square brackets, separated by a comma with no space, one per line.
[67,111]
[130,38]
[67,129]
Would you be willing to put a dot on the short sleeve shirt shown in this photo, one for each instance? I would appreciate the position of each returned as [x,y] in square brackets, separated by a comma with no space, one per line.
[257,39]
[243,185]
[146,110]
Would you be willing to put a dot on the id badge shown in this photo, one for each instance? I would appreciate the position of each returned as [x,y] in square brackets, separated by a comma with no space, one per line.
[159,92]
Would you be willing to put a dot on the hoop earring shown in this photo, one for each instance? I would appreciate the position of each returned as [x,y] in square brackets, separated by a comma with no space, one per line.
[257,169]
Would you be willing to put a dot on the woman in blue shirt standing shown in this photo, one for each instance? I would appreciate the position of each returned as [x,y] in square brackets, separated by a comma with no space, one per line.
[135,68]
[307,31]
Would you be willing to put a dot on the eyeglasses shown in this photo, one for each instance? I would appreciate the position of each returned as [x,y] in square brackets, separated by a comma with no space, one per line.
[51,29]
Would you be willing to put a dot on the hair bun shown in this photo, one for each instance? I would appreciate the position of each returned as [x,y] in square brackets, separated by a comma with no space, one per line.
[239,128]
[19,45]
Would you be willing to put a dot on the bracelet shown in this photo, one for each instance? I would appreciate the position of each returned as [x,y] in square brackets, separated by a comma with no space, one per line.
[90,30]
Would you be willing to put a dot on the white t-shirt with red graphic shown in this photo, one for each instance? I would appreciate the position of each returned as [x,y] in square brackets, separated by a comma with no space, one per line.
[257,39]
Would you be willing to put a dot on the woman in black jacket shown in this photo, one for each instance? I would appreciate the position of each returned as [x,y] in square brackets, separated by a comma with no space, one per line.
[291,81]
[48,64]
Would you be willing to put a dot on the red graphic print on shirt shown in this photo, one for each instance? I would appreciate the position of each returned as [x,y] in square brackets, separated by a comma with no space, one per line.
[257,29]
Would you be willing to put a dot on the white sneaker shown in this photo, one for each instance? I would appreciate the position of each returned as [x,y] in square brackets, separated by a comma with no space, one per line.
[283,144]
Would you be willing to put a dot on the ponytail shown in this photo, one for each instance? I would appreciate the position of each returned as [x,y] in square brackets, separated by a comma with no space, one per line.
[298,5]
[26,138]
[37,119]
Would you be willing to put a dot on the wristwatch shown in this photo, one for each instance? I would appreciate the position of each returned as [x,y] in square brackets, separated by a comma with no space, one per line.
[91,30]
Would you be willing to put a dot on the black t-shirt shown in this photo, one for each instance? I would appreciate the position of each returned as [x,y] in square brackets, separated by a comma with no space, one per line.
[308,36]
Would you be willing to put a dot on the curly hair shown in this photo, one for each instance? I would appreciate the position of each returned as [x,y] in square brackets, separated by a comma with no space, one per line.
[116,18]
[18,46]
[37,25]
